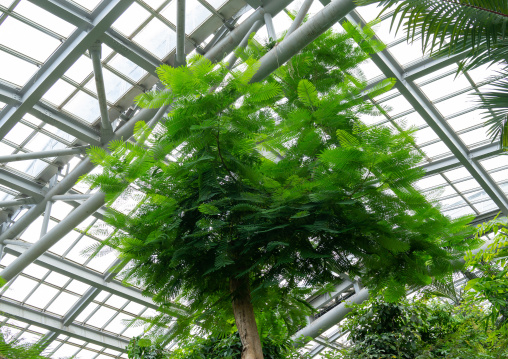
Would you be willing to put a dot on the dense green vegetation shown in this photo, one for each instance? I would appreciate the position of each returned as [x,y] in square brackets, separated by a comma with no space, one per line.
[257,193]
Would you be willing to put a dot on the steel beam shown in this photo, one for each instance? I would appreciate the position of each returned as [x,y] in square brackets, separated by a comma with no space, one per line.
[59,62]
[232,59]
[254,3]
[71,197]
[323,299]
[95,54]
[80,305]
[52,116]
[21,184]
[450,163]
[49,239]
[131,51]
[231,40]
[72,14]
[329,319]
[66,123]
[304,9]
[270,29]
[44,154]
[303,36]
[46,321]
[430,65]
[180,33]
[16,202]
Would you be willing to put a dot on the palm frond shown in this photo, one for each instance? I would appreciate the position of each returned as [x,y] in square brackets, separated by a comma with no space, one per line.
[495,104]
[461,23]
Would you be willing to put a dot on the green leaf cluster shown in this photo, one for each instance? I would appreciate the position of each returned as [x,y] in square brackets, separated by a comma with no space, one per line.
[11,348]
[278,182]
[419,329]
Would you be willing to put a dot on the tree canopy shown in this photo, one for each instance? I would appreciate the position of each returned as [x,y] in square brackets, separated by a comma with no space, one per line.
[255,192]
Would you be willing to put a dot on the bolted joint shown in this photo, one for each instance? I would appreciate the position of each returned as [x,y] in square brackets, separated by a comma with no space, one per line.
[96,48]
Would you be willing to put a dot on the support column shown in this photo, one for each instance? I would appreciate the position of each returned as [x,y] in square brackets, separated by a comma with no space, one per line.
[47,212]
[180,34]
[304,9]
[269,26]
[106,128]
[232,59]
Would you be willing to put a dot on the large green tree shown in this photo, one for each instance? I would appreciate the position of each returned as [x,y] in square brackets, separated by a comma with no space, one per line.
[256,190]
[476,28]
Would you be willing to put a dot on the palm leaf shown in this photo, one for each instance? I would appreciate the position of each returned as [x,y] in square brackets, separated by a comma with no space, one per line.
[495,102]
[461,23]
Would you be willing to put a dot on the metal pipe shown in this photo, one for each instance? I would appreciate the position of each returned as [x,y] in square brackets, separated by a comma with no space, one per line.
[230,41]
[43,154]
[180,33]
[53,236]
[106,128]
[16,202]
[304,9]
[47,212]
[70,197]
[232,59]
[328,320]
[16,242]
[269,26]
[160,113]
[303,36]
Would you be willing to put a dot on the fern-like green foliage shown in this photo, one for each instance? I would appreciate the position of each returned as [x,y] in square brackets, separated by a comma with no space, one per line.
[16,349]
[339,199]
[477,28]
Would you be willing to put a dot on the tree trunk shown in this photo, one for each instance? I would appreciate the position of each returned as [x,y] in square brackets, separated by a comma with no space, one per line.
[245,318]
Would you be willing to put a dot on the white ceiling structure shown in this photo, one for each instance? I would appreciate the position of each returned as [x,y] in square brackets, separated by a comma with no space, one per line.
[69,71]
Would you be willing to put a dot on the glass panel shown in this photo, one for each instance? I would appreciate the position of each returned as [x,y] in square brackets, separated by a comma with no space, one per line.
[475,137]
[63,303]
[455,104]
[42,295]
[101,317]
[467,120]
[127,67]
[131,19]
[115,86]
[58,92]
[80,69]
[27,40]
[405,53]
[87,4]
[44,18]
[83,106]
[157,38]
[15,70]
[20,288]
[445,86]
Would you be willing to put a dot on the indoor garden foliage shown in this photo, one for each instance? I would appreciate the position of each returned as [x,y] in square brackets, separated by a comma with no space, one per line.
[448,320]
[258,193]
[12,348]
[477,29]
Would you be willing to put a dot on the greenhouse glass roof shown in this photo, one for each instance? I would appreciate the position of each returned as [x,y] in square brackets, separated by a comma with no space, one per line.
[52,109]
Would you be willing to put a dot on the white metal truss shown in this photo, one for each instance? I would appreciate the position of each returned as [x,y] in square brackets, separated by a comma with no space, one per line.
[34,196]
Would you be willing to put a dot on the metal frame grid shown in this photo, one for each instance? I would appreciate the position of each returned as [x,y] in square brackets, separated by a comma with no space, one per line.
[77,90]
